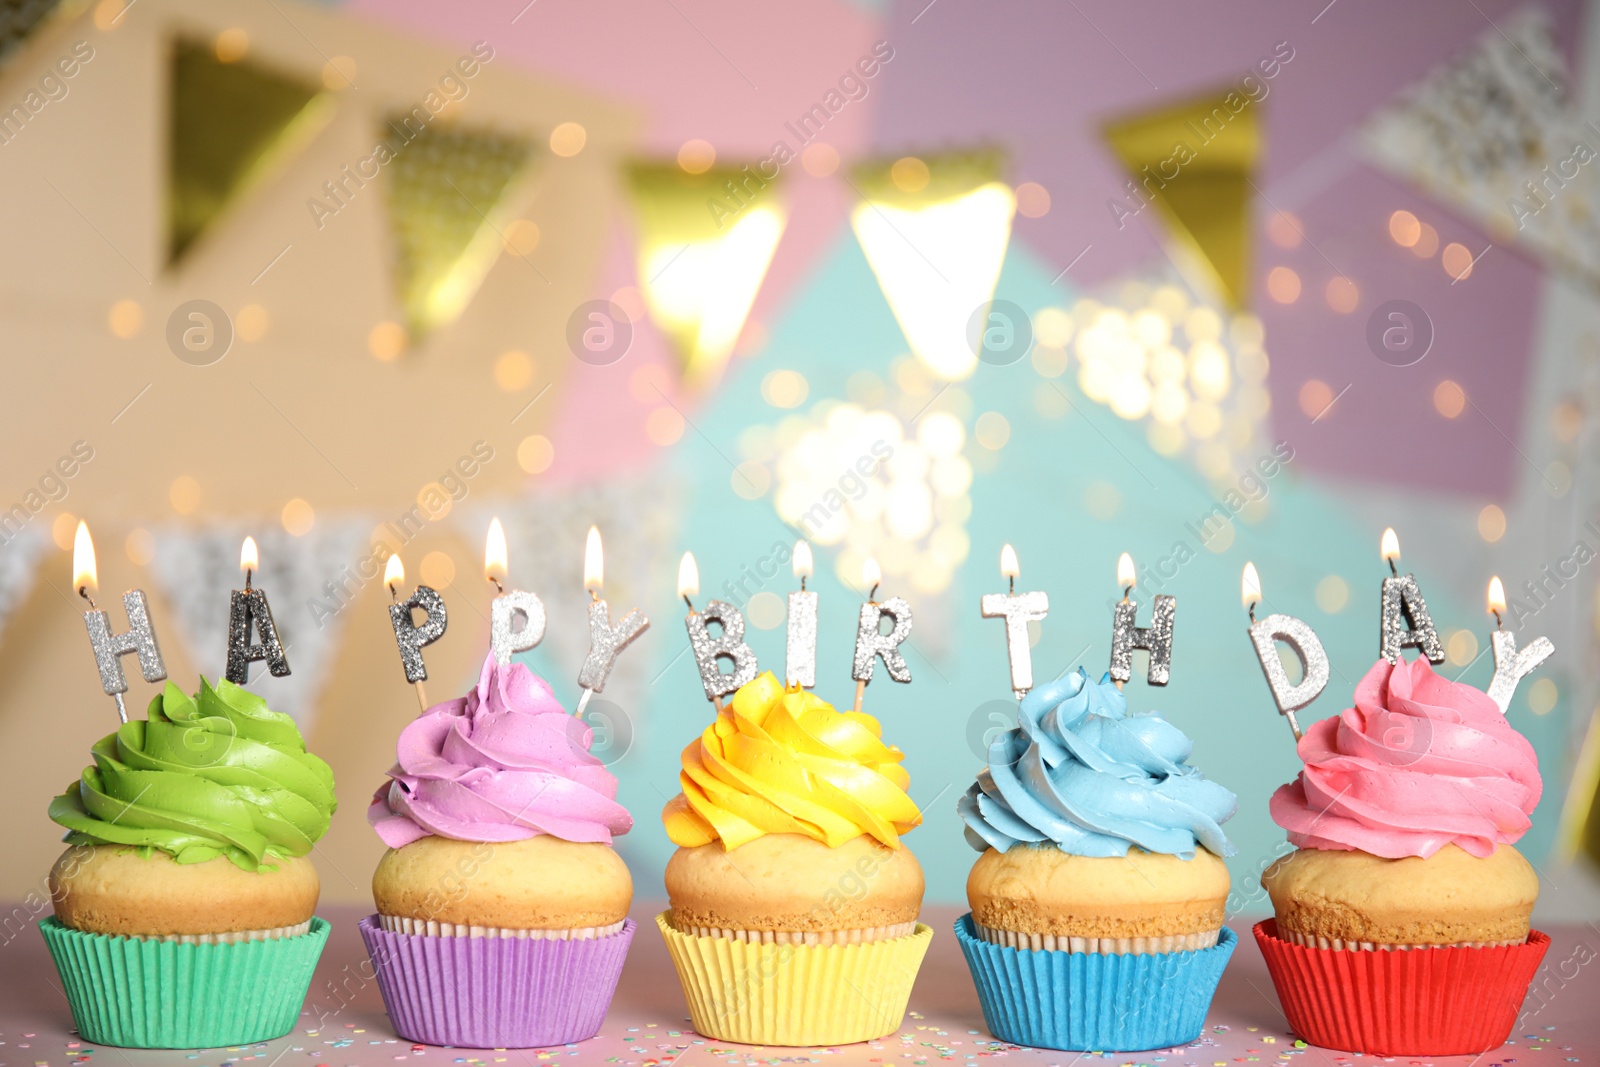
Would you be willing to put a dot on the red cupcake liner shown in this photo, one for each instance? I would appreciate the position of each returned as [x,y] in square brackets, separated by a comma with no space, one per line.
[1417,1002]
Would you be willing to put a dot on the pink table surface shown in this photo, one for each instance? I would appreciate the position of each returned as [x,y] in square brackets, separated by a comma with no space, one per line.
[344,1024]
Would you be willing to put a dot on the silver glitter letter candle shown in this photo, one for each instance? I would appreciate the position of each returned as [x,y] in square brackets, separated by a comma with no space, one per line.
[871,643]
[411,637]
[506,634]
[605,641]
[1306,646]
[1406,622]
[729,645]
[800,664]
[250,606]
[1511,666]
[1018,609]
[1155,639]
[139,639]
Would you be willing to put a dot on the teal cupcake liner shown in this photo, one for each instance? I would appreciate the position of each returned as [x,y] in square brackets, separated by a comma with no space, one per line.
[135,993]
[1091,1001]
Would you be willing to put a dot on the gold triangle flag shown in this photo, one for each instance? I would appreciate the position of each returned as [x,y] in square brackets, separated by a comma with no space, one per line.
[230,124]
[1193,162]
[450,200]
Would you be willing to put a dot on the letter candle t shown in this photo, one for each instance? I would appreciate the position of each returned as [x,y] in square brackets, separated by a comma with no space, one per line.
[1018,609]
[109,648]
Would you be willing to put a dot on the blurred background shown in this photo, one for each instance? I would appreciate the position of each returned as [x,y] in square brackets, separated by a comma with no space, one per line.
[913,280]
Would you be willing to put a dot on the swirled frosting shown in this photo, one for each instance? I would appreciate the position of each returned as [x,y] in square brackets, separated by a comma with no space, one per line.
[1082,774]
[1420,762]
[216,774]
[503,763]
[778,762]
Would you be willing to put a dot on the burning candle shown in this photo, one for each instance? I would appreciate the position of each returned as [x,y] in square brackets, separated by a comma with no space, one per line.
[871,643]
[1018,610]
[1126,635]
[410,636]
[109,648]
[800,665]
[605,641]
[1510,666]
[517,617]
[1405,622]
[248,607]
[709,651]
[1302,641]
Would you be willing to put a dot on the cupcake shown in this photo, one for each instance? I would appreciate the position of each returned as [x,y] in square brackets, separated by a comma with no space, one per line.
[1098,900]
[1403,917]
[502,915]
[184,902]
[793,903]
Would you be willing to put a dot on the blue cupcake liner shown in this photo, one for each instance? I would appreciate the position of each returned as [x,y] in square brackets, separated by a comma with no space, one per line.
[1090,1001]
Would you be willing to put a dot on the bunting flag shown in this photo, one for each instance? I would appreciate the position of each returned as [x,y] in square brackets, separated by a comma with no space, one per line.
[935,232]
[196,568]
[451,195]
[20,553]
[1494,134]
[705,242]
[19,18]
[230,124]
[1194,162]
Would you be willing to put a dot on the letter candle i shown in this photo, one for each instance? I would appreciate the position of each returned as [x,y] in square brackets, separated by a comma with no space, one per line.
[800,664]
[871,643]
[109,648]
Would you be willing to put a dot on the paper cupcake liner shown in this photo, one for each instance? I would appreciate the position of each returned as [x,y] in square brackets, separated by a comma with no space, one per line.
[795,995]
[145,993]
[400,924]
[1127,946]
[1091,1001]
[806,937]
[1295,937]
[495,992]
[1426,1002]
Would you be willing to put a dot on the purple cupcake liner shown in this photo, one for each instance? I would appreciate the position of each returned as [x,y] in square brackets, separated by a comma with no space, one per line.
[490,992]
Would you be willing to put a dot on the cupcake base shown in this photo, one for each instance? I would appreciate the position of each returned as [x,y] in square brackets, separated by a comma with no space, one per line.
[795,995]
[135,993]
[1088,1001]
[495,992]
[1421,1002]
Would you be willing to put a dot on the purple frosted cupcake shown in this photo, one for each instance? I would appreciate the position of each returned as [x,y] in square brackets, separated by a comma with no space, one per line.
[502,907]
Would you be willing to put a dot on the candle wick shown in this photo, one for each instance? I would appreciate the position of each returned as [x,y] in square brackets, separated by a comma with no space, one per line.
[499,589]
[802,583]
[1498,622]
[1392,569]
[83,591]
[247,573]
[594,595]
[393,593]
[872,597]
[1011,584]
[689,602]
[1252,613]
[1126,590]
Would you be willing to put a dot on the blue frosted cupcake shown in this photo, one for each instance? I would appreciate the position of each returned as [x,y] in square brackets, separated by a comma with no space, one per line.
[1097,903]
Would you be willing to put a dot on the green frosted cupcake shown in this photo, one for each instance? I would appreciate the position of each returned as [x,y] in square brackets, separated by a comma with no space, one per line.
[184,901]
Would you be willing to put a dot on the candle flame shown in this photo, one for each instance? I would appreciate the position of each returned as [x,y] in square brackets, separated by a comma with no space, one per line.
[1250,586]
[1009,568]
[594,568]
[495,567]
[871,574]
[1389,547]
[1127,577]
[1497,596]
[688,576]
[802,559]
[394,572]
[84,574]
[249,556]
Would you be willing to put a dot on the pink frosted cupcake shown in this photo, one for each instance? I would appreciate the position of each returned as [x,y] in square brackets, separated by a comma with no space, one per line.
[502,907]
[1403,918]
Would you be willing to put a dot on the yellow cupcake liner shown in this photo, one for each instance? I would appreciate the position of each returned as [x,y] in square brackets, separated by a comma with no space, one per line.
[795,995]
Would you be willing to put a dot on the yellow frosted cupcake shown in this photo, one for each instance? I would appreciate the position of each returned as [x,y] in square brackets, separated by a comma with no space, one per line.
[793,917]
